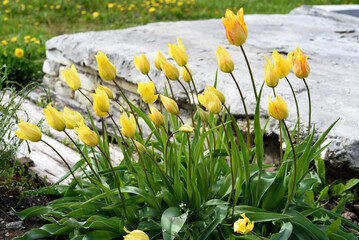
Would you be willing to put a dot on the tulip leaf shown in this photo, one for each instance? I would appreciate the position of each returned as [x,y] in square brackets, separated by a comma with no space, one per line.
[221,213]
[172,221]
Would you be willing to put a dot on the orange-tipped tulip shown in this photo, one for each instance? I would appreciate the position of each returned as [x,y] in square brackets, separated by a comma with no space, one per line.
[158,57]
[28,131]
[72,118]
[243,225]
[86,135]
[277,109]
[236,29]
[71,77]
[128,125]
[170,105]
[156,116]
[147,92]
[270,77]
[178,53]
[282,66]
[224,60]
[169,70]
[300,64]
[106,69]
[54,118]
[142,64]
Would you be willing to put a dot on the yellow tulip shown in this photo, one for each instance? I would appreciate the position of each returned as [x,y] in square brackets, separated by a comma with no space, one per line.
[186,129]
[147,92]
[178,53]
[142,64]
[72,118]
[278,109]
[300,64]
[243,225]
[185,75]
[3,43]
[71,77]
[224,60]
[105,67]
[107,90]
[128,125]
[282,66]
[101,104]
[169,70]
[270,77]
[156,116]
[170,105]
[54,118]
[218,93]
[158,57]
[135,235]
[19,53]
[28,131]
[139,147]
[210,101]
[14,39]
[236,29]
[86,135]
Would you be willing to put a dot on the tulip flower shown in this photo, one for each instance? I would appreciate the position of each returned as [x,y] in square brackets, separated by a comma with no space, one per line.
[300,64]
[170,105]
[147,92]
[54,118]
[72,118]
[243,225]
[19,53]
[178,53]
[185,75]
[86,135]
[270,77]
[224,60]
[139,147]
[210,101]
[186,129]
[158,57]
[277,109]
[203,114]
[156,116]
[169,70]
[105,67]
[28,131]
[71,77]
[218,93]
[142,64]
[3,43]
[101,104]
[135,235]
[282,66]
[107,90]
[128,125]
[236,29]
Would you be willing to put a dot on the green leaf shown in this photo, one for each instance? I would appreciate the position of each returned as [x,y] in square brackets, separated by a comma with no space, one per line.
[33,212]
[285,231]
[340,206]
[221,213]
[258,214]
[334,226]
[351,183]
[172,221]
[309,197]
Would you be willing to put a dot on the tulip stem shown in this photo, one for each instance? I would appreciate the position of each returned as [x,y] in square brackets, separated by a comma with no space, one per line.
[295,168]
[157,92]
[257,235]
[165,152]
[250,72]
[169,84]
[83,155]
[85,96]
[190,88]
[280,135]
[96,160]
[245,110]
[190,75]
[130,106]
[189,101]
[68,166]
[296,105]
[310,106]
[116,180]
[231,162]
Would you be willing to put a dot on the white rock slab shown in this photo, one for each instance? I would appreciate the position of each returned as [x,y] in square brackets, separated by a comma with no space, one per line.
[331,41]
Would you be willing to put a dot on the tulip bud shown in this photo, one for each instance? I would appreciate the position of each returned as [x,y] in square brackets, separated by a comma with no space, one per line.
[71,77]
[185,75]
[282,66]
[147,92]
[135,235]
[139,147]
[86,135]
[243,225]
[156,116]
[28,131]
[105,67]
[218,93]
[101,104]
[224,60]
[107,90]
[169,70]
[142,64]
[186,129]
[277,109]
[54,118]
[128,125]
[236,29]
[178,53]
[300,64]
[170,105]
[158,57]
[72,118]
[203,114]
[270,77]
